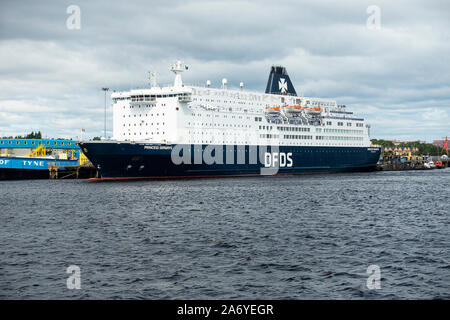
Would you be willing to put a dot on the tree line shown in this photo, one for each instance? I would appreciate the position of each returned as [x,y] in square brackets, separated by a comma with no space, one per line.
[38,135]
[424,148]
[32,135]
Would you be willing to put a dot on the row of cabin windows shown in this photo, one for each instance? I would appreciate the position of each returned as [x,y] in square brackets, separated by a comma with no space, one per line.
[140,133]
[296,136]
[269,136]
[154,96]
[143,106]
[218,125]
[225,101]
[246,142]
[236,109]
[294,129]
[141,124]
[348,131]
[223,133]
[217,116]
[349,124]
[140,115]
[339,138]
[320,103]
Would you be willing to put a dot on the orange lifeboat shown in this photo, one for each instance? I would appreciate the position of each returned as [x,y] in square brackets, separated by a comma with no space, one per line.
[314,108]
[273,111]
[293,109]
[319,109]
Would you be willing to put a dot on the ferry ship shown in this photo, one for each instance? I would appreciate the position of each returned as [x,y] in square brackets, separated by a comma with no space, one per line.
[200,131]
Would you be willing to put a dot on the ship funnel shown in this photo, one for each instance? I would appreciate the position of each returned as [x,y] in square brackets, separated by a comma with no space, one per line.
[224,83]
[241,85]
[279,82]
[208,83]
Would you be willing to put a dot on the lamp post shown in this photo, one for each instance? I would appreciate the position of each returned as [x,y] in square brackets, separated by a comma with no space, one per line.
[105,89]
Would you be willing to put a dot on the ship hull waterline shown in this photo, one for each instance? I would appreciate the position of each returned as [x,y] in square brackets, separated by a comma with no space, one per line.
[127,160]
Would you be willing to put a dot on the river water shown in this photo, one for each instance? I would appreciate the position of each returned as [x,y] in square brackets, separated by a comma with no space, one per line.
[282,237]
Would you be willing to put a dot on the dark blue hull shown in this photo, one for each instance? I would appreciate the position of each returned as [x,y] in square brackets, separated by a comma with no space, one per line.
[115,160]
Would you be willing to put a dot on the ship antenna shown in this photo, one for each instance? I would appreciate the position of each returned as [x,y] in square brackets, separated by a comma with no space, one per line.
[177,67]
[153,79]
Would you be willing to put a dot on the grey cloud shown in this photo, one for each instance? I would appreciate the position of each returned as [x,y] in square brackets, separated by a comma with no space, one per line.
[325,46]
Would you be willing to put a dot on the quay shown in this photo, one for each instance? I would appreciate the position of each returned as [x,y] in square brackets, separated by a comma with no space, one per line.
[397,166]
[394,159]
[73,172]
[43,159]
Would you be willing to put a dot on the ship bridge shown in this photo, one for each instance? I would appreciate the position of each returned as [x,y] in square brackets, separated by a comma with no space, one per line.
[148,97]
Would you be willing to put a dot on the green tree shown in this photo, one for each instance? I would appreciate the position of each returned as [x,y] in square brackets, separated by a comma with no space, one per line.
[424,148]
[383,143]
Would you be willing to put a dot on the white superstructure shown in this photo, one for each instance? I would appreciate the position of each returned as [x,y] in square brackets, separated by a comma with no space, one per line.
[182,114]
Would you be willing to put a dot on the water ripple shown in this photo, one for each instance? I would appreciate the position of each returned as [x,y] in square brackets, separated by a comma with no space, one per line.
[287,237]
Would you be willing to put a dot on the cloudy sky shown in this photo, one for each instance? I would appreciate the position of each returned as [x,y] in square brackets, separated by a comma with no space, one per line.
[396,76]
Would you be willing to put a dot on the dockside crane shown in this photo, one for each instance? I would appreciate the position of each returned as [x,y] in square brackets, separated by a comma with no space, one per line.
[443,156]
[445,146]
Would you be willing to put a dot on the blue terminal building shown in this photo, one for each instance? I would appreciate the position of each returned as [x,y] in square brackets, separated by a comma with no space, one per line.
[31,158]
